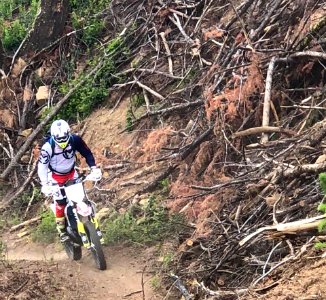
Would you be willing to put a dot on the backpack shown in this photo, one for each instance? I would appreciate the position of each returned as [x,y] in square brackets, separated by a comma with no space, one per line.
[48,138]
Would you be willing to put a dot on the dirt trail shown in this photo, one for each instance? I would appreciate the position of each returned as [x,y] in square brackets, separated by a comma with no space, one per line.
[122,280]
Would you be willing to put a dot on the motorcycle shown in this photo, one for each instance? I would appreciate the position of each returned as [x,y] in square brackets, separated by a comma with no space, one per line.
[81,223]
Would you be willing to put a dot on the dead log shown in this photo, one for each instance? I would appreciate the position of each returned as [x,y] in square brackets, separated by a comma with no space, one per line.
[291,227]
[262,129]
[308,168]
[181,287]
[152,185]
[267,98]
[241,9]
[221,294]
[23,224]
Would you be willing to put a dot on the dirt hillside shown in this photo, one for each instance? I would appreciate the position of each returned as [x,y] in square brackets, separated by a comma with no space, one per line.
[213,110]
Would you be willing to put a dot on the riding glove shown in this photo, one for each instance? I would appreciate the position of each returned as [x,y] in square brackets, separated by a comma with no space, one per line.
[46,190]
[96,174]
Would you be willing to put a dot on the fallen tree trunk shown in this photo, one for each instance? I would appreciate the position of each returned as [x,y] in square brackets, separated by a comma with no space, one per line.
[23,224]
[291,227]
[263,129]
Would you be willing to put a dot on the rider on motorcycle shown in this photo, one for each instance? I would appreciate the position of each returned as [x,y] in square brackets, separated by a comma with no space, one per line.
[56,165]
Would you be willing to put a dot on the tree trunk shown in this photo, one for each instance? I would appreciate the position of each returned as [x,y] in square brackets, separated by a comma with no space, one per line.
[48,26]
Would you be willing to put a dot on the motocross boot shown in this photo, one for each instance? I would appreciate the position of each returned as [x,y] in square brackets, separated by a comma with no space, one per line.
[61,228]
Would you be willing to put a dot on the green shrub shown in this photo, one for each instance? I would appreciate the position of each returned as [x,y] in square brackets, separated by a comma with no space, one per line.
[147,224]
[322,182]
[26,196]
[46,231]
[320,245]
[6,8]
[137,100]
[14,28]
[129,119]
[95,89]
[13,34]
[84,18]
[165,184]
[322,208]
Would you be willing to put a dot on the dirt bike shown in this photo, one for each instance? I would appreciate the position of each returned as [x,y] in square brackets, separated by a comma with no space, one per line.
[81,222]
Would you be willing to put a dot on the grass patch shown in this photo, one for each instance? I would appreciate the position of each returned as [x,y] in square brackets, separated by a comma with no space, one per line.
[142,224]
[46,231]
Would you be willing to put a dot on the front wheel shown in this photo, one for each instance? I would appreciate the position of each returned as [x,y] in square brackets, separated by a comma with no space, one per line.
[96,246]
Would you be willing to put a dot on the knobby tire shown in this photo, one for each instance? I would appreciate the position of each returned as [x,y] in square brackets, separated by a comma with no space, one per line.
[97,250]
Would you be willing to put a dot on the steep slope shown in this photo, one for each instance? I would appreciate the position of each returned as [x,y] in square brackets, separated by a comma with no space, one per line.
[217,107]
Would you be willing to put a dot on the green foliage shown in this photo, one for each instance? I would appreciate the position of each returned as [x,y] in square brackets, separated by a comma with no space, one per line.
[6,8]
[147,224]
[95,89]
[85,18]
[129,119]
[322,182]
[321,225]
[322,206]
[165,184]
[137,100]
[13,34]
[167,260]
[16,16]
[155,282]
[13,219]
[46,231]
[320,245]
[26,196]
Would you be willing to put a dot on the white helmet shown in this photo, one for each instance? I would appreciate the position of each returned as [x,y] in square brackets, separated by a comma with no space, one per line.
[60,132]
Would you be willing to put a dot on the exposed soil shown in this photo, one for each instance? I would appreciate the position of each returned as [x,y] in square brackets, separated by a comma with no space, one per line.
[307,283]
[34,271]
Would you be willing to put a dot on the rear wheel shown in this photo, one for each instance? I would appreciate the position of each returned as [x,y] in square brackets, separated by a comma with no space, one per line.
[73,251]
[96,246]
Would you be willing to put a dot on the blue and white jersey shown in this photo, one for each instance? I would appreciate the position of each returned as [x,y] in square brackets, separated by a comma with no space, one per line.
[62,161]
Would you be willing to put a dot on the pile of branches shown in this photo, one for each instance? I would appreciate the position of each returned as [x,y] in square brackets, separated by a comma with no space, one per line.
[251,77]
[248,77]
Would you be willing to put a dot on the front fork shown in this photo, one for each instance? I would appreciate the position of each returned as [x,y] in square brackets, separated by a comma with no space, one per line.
[82,232]
[97,228]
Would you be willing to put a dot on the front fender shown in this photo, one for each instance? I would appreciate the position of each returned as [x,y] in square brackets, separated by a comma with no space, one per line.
[83,209]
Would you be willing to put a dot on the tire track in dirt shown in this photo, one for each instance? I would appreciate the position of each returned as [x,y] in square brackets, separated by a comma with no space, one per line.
[124,279]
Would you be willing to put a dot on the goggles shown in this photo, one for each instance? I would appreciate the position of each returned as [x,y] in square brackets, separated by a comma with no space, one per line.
[63,141]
